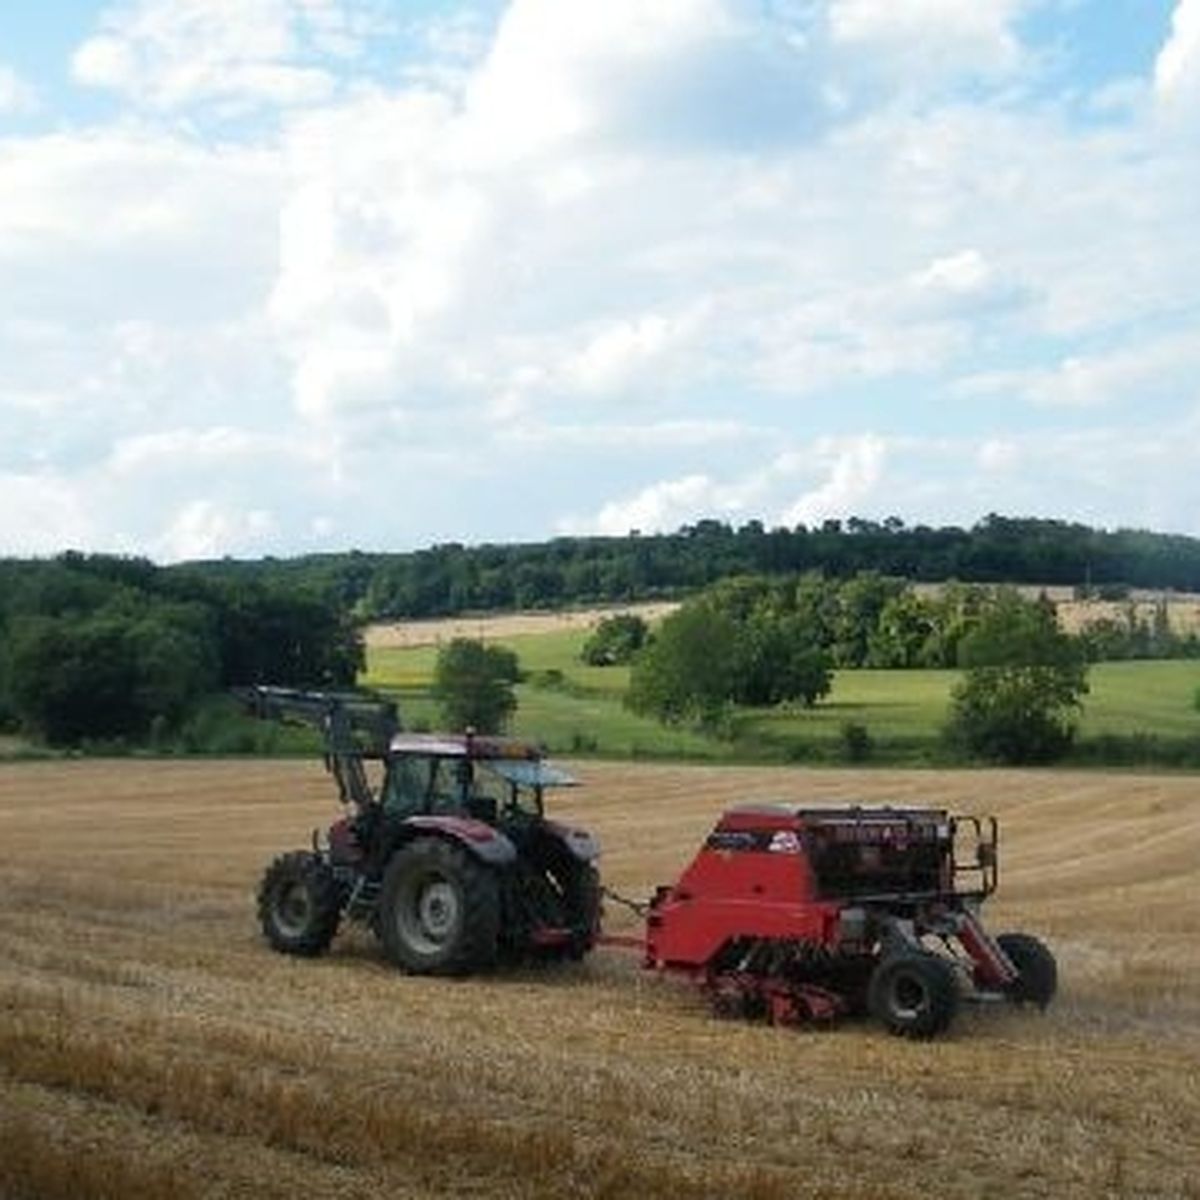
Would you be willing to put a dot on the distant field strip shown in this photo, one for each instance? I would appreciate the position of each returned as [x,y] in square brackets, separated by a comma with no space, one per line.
[1183,609]
[497,626]
[150,1045]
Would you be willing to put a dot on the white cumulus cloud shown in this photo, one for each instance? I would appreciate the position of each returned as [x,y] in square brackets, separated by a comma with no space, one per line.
[853,468]
[625,73]
[839,477]
[17,95]
[559,263]
[618,352]
[661,507]
[44,511]
[1150,372]
[172,53]
[1177,68]
[204,528]
[914,39]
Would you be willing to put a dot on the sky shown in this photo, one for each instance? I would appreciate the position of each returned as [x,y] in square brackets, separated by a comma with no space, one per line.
[283,276]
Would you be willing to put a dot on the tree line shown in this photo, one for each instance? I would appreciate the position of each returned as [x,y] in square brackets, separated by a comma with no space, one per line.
[760,641]
[95,647]
[106,647]
[454,578]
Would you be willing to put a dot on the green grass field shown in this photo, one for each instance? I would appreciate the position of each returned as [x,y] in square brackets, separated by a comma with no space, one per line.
[584,715]
[903,711]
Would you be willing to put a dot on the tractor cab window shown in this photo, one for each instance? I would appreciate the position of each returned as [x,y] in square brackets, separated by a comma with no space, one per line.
[449,786]
[480,788]
[521,782]
[489,794]
[426,784]
[406,786]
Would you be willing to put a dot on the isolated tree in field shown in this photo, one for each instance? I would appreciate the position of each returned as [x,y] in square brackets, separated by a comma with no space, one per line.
[615,640]
[1023,687]
[777,658]
[473,684]
[686,672]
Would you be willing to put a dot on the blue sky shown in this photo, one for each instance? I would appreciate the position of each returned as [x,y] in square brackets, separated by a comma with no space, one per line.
[285,275]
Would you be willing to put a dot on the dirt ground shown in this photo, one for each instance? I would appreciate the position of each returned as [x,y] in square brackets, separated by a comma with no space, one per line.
[151,1045]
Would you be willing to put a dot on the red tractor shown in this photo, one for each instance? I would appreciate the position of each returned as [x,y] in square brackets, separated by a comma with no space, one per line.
[809,913]
[444,848]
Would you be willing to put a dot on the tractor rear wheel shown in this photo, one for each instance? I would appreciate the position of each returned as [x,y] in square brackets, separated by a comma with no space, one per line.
[299,904]
[913,995]
[578,884]
[1037,972]
[587,901]
[439,910]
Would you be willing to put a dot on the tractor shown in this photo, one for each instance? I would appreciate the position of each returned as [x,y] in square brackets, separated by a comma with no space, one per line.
[443,849]
[795,914]
[786,913]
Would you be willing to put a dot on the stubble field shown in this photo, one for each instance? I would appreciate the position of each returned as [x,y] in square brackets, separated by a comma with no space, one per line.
[150,1045]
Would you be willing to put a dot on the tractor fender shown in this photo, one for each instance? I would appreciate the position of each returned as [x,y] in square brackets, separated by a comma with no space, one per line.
[478,838]
[582,845]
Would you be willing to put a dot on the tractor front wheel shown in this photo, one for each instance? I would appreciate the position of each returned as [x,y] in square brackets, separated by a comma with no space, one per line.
[299,904]
[1037,972]
[439,910]
[913,995]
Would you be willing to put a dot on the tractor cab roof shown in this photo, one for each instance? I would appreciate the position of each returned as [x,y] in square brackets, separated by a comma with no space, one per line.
[464,745]
[519,762]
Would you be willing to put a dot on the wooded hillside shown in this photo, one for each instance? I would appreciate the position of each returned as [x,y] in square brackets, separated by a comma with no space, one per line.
[454,578]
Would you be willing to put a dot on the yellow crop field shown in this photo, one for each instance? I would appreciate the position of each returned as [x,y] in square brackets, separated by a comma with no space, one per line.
[1183,612]
[405,635]
[151,1045]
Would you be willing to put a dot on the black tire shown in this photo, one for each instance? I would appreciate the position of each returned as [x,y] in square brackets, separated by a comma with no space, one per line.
[299,904]
[1037,972]
[439,910]
[587,906]
[914,995]
[579,883]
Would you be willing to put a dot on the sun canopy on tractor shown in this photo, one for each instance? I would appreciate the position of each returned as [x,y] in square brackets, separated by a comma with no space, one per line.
[516,762]
[531,774]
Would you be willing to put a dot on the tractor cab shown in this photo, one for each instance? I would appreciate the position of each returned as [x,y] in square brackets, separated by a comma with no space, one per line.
[494,780]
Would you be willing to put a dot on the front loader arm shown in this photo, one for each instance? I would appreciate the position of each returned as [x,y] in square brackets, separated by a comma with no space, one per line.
[354,727]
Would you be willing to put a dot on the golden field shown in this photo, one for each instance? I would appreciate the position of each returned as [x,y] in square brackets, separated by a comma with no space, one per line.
[150,1045]
[405,635]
